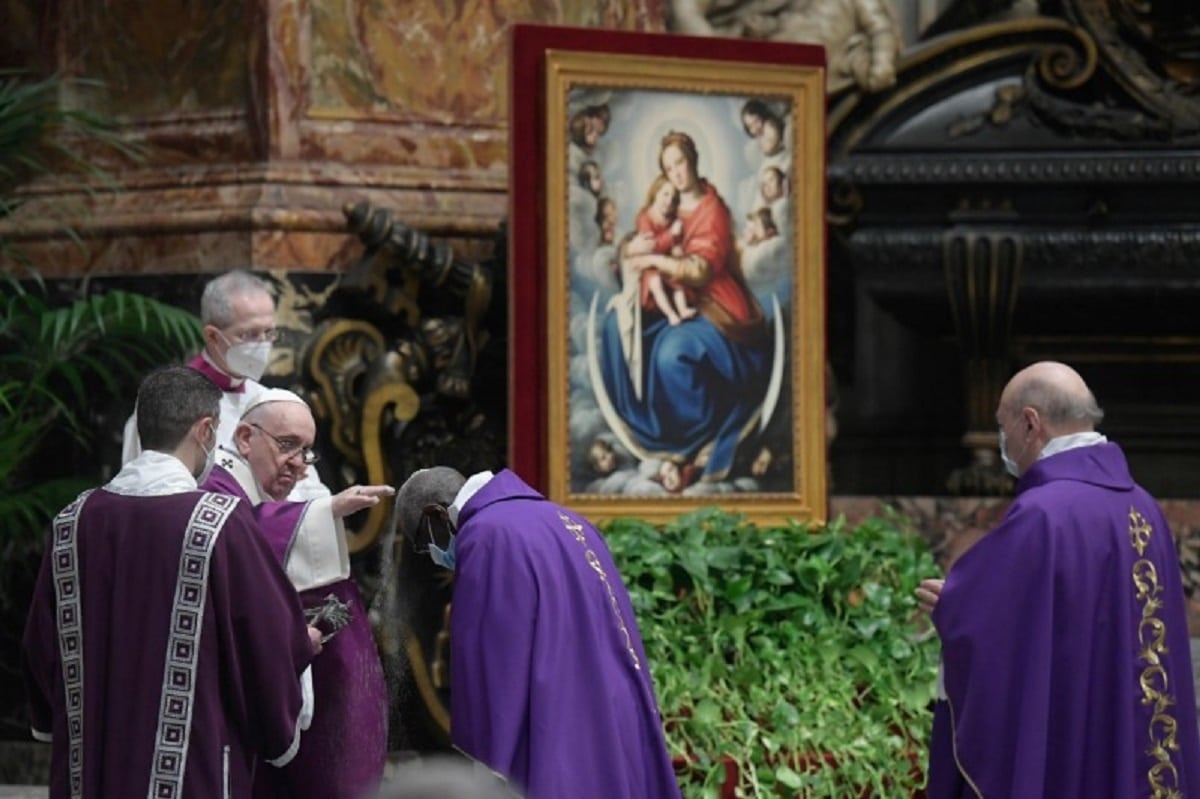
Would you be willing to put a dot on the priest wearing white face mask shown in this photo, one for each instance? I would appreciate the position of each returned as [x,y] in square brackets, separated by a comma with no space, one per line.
[344,751]
[238,313]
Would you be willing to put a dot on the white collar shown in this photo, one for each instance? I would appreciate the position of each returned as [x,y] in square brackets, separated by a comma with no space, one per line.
[239,468]
[152,474]
[469,489]
[1071,441]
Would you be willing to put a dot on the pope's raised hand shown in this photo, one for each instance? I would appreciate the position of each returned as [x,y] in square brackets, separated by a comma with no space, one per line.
[355,498]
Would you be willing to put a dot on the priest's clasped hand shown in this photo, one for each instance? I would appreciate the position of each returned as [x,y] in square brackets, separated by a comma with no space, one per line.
[316,638]
[928,593]
[355,498]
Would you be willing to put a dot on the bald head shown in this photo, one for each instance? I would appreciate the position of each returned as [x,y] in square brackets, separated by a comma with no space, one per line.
[438,485]
[1057,393]
[1042,402]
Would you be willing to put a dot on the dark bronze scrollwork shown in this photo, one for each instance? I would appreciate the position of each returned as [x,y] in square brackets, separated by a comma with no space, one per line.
[391,371]
[404,328]
[410,259]
[1068,65]
[1149,52]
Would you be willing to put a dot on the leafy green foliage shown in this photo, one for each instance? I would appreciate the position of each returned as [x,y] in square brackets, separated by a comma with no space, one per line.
[796,656]
[61,359]
[57,363]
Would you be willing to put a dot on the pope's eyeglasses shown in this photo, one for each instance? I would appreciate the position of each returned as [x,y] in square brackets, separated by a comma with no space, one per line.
[289,447]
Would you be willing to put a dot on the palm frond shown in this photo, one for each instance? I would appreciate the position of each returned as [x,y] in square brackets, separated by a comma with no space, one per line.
[41,135]
[38,132]
[57,361]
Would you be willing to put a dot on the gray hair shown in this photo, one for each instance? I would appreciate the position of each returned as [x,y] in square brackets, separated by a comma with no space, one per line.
[216,303]
[171,400]
[1058,405]
[437,485]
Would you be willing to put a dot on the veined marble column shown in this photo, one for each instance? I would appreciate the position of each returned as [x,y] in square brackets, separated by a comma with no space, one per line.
[261,119]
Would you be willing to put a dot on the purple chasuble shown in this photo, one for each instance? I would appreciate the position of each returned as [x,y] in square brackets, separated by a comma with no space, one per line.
[343,753]
[1065,646]
[550,685]
[145,665]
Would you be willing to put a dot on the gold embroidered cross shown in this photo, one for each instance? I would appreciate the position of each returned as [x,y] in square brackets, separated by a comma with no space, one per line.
[1139,531]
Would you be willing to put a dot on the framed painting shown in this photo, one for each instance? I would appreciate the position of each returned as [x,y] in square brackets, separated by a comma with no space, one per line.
[667,273]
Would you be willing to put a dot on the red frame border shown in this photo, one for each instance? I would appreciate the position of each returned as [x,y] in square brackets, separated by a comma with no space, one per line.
[527,370]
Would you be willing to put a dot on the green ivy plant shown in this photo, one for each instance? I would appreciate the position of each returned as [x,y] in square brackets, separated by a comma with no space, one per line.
[795,657]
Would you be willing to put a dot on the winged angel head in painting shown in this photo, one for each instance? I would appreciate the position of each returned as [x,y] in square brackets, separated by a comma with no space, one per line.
[680,247]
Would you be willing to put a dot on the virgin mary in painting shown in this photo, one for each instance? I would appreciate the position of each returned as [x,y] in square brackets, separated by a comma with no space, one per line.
[668,402]
[696,384]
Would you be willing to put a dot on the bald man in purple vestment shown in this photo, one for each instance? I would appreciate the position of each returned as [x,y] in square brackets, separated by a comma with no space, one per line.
[1065,652]
[344,753]
[165,652]
[550,684]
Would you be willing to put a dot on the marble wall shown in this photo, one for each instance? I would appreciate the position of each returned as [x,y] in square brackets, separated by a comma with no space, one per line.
[260,121]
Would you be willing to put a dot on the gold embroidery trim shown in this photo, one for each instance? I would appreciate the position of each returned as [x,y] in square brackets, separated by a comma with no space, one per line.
[1162,777]
[576,529]
[954,750]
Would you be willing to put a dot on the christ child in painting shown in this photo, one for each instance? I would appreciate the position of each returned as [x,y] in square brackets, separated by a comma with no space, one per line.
[660,231]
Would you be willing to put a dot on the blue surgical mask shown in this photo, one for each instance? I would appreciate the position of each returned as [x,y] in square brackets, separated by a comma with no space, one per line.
[1010,465]
[443,557]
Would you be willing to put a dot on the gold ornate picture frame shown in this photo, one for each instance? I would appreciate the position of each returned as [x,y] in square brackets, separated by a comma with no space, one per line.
[668,273]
